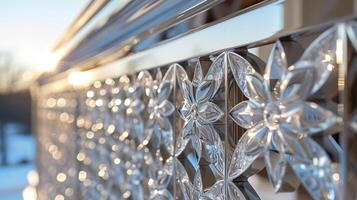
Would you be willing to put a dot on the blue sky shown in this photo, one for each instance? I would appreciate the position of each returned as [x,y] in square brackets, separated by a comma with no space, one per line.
[30,28]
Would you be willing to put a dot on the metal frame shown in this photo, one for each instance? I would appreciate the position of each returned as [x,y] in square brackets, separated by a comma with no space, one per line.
[200,38]
[230,32]
[207,39]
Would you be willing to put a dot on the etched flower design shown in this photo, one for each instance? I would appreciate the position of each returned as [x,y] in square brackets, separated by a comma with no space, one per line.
[195,191]
[132,106]
[127,170]
[218,190]
[182,182]
[225,187]
[116,105]
[134,178]
[214,192]
[222,189]
[197,110]
[280,118]
[160,175]
[159,109]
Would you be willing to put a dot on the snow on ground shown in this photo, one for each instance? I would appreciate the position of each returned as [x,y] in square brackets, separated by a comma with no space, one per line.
[20,147]
[13,181]
[13,178]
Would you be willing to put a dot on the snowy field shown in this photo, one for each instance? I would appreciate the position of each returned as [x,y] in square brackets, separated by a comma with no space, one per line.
[13,177]
[13,181]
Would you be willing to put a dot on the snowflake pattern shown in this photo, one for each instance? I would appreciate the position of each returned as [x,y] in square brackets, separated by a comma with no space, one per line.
[280,119]
[159,109]
[197,110]
[132,145]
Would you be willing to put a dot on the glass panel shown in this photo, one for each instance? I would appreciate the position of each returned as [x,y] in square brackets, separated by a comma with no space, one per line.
[262,123]
[56,145]
[200,129]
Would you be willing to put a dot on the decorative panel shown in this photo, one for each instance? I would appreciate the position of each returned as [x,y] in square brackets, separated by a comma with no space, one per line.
[215,127]
[201,128]
[57,146]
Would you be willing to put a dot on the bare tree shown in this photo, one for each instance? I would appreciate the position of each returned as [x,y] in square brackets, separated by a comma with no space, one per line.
[10,72]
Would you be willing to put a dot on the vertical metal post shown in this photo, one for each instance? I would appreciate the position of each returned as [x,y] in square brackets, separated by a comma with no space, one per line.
[348,81]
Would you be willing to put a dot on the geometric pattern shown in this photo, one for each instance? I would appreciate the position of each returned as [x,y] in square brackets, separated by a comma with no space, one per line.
[200,129]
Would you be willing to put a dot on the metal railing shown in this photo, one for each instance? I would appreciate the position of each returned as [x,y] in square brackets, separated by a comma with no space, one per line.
[257,105]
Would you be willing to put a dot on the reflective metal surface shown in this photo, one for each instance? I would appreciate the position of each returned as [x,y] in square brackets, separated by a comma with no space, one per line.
[91,10]
[276,18]
[256,105]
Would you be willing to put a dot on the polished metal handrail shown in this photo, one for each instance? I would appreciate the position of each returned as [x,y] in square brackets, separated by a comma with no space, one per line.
[91,10]
[211,38]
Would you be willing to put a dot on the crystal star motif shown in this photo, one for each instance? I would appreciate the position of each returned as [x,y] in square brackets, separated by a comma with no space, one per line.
[159,177]
[280,119]
[182,182]
[133,106]
[128,173]
[194,191]
[214,192]
[117,103]
[197,110]
[217,191]
[222,189]
[159,109]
